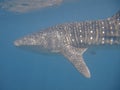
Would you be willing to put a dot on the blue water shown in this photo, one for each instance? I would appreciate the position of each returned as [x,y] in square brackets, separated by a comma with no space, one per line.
[23,70]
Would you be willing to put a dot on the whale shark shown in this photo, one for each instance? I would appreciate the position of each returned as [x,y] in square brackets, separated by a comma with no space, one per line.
[73,39]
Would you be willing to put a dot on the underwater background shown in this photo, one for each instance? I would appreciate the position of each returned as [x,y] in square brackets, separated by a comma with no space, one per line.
[23,70]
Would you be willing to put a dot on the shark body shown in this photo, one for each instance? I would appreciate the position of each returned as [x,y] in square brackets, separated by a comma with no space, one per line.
[73,39]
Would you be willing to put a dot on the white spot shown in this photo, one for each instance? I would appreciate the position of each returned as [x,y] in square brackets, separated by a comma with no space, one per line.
[80,35]
[103,27]
[119,23]
[103,39]
[102,22]
[111,40]
[91,38]
[103,42]
[73,40]
[103,32]
[80,30]
[81,40]
[70,34]
[111,27]
[91,31]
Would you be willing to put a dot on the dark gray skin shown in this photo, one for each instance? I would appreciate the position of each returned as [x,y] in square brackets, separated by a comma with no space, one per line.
[73,39]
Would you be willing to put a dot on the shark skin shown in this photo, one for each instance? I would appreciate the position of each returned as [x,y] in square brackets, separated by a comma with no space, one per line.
[73,39]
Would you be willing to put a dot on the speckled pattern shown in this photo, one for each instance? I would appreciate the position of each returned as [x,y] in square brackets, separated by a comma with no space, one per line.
[73,39]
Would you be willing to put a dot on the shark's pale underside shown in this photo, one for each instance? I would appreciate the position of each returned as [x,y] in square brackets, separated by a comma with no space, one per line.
[73,39]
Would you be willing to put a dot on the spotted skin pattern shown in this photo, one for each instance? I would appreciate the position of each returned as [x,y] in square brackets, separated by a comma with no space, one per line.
[73,39]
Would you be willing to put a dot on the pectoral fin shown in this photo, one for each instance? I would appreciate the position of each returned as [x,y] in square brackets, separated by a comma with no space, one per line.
[74,55]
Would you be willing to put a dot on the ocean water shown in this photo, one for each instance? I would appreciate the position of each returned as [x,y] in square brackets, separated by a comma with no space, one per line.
[23,70]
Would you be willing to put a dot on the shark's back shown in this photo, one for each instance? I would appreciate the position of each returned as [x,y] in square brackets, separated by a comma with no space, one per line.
[84,34]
